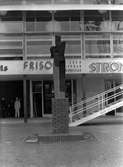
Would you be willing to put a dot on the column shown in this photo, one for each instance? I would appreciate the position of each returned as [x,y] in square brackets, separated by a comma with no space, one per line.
[81,89]
[25,99]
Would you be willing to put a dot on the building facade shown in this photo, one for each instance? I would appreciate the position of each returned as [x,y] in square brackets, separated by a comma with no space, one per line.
[93,32]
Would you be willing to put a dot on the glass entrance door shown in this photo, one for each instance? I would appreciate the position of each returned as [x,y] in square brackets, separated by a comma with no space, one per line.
[108,85]
[42,94]
[48,94]
[37,98]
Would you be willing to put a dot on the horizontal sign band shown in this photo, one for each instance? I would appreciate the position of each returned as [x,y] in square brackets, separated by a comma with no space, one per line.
[73,66]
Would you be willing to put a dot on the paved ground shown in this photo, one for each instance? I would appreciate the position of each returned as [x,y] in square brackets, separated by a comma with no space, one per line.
[105,150]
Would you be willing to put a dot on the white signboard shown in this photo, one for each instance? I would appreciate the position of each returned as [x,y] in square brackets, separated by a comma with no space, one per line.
[104,66]
[38,67]
[73,66]
[11,68]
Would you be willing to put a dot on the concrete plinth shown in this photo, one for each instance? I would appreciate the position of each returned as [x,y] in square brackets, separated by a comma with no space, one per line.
[60,115]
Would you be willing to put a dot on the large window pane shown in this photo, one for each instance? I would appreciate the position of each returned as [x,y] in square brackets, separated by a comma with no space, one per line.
[97,46]
[38,47]
[117,20]
[68,20]
[118,46]
[37,21]
[73,47]
[96,20]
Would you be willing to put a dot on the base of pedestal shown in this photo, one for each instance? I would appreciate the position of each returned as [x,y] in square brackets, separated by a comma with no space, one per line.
[60,115]
[58,138]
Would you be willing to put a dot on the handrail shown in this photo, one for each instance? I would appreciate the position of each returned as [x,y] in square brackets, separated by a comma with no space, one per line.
[81,110]
[81,115]
[103,93]
[88,109]
[97,95]
[99,102]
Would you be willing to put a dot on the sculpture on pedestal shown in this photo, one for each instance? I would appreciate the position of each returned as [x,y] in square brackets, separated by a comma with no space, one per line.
[60,103]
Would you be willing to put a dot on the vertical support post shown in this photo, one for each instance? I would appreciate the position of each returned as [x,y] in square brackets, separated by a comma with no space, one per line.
[24,58]
[31,100]
[42,94]
[25,99]
[99,102]
[24,31]
[102,101]
[82,34]
[70,114]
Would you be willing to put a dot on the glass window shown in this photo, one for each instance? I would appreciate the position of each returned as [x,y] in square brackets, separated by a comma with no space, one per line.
[68,92]
[97,46]
[94,20]
[68,20]
[118,45]
[117,20]
[48,93]
[73,47]
[37,86]
[11,16]
[38,21]
[38,16]
[38,47]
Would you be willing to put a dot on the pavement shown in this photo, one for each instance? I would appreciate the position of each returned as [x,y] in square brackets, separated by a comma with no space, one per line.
[105,149]
[99,120]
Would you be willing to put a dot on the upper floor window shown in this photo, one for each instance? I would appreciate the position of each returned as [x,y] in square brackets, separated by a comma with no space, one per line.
[96,20]
[11,16]
[117,20]
[68,20]
[105,1]
[38,16]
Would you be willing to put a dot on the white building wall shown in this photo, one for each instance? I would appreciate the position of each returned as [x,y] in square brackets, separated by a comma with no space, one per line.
[94,85]
[80,88]
[89,85]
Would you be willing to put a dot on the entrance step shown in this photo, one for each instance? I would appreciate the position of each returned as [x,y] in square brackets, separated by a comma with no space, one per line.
[21,121]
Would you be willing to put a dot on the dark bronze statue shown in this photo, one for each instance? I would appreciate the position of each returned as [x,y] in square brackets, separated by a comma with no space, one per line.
[57,52]
[60,117]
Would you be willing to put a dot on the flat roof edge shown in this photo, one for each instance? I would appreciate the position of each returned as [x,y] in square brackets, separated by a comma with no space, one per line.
[58,7]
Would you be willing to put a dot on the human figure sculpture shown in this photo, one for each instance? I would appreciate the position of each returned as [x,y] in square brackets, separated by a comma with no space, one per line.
[57,52]
[60,117]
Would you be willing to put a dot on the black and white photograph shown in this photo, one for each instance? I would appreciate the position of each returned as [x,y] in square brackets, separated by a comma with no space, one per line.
[61,83]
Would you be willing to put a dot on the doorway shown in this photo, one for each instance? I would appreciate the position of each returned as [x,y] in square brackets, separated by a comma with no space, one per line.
[110,83]
[48,92]
[42,94]
[9,90]
[37,98]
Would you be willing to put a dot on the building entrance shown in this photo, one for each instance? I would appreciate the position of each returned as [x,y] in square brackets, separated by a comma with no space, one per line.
[9,90]
[108,85]
[37,98]
[111,83]
[42,94]
[48,92]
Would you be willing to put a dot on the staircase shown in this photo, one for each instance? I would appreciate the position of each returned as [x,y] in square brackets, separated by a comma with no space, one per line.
[96,106]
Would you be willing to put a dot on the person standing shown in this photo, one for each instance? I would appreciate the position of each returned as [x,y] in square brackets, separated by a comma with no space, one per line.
[3,107]
[17,106]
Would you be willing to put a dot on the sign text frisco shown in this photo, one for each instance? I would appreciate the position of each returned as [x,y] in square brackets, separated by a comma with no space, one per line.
[43,65]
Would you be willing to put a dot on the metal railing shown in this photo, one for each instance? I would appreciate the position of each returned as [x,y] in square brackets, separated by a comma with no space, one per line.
[96,103]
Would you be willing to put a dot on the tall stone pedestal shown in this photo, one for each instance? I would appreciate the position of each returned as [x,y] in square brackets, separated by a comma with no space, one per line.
[60,120]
